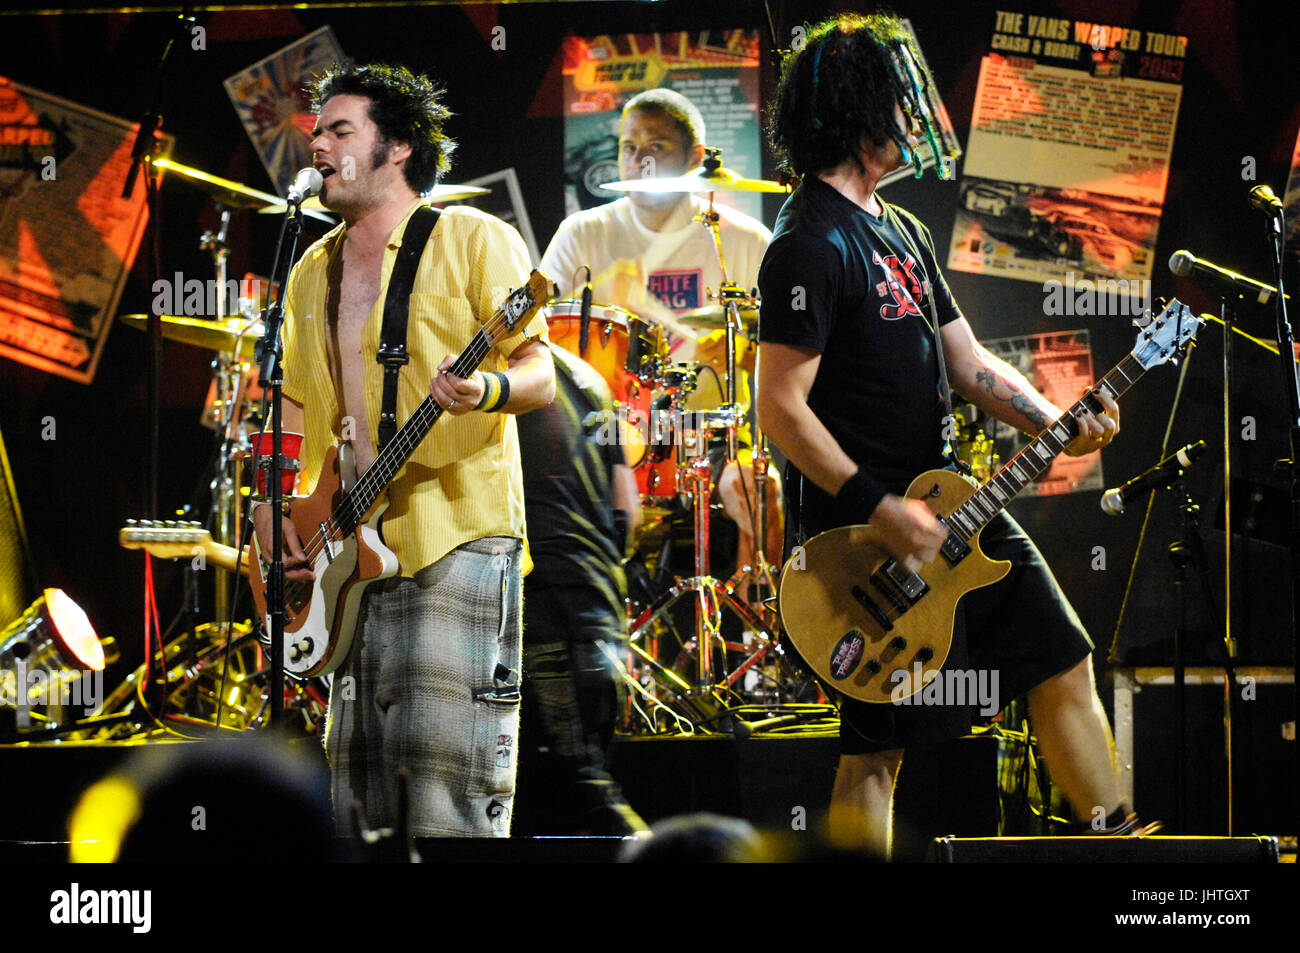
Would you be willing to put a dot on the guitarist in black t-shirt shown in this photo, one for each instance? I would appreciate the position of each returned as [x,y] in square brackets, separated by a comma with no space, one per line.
[850,391]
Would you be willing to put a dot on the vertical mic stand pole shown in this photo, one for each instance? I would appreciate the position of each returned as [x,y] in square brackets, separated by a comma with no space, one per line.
[1229,643]
[1291,383]
[268,358]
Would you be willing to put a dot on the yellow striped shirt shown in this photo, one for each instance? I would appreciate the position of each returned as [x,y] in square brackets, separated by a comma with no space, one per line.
[463,482]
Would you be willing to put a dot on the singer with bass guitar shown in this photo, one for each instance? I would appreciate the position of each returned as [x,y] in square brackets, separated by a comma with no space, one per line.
[431,684]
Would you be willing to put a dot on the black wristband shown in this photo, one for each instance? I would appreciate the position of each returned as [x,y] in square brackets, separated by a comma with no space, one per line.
[859,497]
[505,393]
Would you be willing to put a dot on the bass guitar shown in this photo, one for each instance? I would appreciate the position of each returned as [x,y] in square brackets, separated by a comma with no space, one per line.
[338,523]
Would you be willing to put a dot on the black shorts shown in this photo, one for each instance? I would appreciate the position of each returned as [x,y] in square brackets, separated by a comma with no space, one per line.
[1011,636]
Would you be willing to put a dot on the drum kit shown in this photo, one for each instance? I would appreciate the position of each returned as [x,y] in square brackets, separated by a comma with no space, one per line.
[706,682]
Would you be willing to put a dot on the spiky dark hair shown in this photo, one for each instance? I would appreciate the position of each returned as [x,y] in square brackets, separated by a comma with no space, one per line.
[840,86]
[405,107]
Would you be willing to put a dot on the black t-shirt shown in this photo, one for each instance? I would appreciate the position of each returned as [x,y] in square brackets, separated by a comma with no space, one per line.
[568,487]
[858,289]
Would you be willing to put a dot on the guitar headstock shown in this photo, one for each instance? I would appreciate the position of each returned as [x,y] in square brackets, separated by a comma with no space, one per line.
[1166,335]
[167,539]
[524,302]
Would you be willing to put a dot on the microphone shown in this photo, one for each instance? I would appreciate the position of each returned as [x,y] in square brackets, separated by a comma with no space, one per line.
[584,325]
[306,183]
[1264,199]
[1183,263]
[1162,474]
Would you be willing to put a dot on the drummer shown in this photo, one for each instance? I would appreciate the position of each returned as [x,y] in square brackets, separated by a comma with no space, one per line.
[648,255]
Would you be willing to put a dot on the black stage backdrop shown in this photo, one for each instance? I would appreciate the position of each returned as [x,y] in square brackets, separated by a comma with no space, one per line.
[1239,99]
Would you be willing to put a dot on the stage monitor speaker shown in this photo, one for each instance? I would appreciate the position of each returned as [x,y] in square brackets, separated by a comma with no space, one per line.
[1106,850]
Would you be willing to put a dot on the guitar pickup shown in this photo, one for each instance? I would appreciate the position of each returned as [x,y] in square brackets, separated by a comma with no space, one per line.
[954,548]
[864,600]
[912,586]
[329,543]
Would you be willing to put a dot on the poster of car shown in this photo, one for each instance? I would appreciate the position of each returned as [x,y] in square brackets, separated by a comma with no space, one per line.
[1068,155]
[273,100]
[716,70]
[67,237]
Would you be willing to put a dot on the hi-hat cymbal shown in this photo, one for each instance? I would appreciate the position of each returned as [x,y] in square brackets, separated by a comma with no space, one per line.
[714,318]
[439,194]
[698,180]
[234,194]
[227,335]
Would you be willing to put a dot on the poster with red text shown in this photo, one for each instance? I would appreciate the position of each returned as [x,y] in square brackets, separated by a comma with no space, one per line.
[1069,148]
[67,237]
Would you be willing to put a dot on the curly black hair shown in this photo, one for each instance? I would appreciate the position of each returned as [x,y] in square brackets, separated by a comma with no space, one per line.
[840,86]
[405,107]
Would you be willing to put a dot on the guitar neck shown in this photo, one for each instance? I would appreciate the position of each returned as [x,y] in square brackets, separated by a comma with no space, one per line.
[1034,459]
[358,501]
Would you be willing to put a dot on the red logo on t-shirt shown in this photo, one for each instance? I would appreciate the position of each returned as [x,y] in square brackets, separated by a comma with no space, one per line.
[900,284]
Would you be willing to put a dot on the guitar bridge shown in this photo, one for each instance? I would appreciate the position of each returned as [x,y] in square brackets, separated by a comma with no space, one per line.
[864,600]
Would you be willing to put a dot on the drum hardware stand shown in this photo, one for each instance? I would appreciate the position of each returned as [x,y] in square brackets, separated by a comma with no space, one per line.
[695,474]
[228,377]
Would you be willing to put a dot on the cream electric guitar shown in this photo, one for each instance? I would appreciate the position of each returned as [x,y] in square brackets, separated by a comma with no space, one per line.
[879,633]
[339,522]
[169,539]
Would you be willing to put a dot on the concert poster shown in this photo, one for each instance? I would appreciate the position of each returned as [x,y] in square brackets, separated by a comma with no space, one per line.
[273,100]
[717,70]
[1069,149]
[67,237]
[1060,365]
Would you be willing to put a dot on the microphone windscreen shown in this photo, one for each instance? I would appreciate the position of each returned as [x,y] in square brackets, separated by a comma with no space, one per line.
[1180,262]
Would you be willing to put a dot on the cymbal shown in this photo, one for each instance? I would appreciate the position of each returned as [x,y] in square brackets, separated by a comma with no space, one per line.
[714,318]
[228,335]
[698,180]
[234,194]
[439,194]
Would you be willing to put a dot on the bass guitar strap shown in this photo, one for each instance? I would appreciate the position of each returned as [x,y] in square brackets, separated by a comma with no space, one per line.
[397,308]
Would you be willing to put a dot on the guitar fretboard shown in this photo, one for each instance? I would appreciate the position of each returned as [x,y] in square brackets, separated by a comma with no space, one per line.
[1027,465]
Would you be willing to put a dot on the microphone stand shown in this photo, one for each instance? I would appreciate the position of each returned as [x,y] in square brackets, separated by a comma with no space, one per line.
[1190,549]
[268,355]
[1291,384]
[1229,643]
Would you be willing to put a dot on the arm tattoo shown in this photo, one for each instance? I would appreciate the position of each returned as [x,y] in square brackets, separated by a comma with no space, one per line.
[995,385]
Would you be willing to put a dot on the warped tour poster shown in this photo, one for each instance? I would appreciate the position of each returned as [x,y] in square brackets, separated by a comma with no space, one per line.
[716,70]
[67,237]
[1068,155]
[1060,365]
[273,100]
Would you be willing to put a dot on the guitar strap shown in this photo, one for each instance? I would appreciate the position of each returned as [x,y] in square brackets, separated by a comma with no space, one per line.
[397,308]
[950,419]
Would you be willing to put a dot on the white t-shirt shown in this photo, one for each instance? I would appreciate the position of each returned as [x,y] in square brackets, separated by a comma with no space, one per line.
[647,272]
